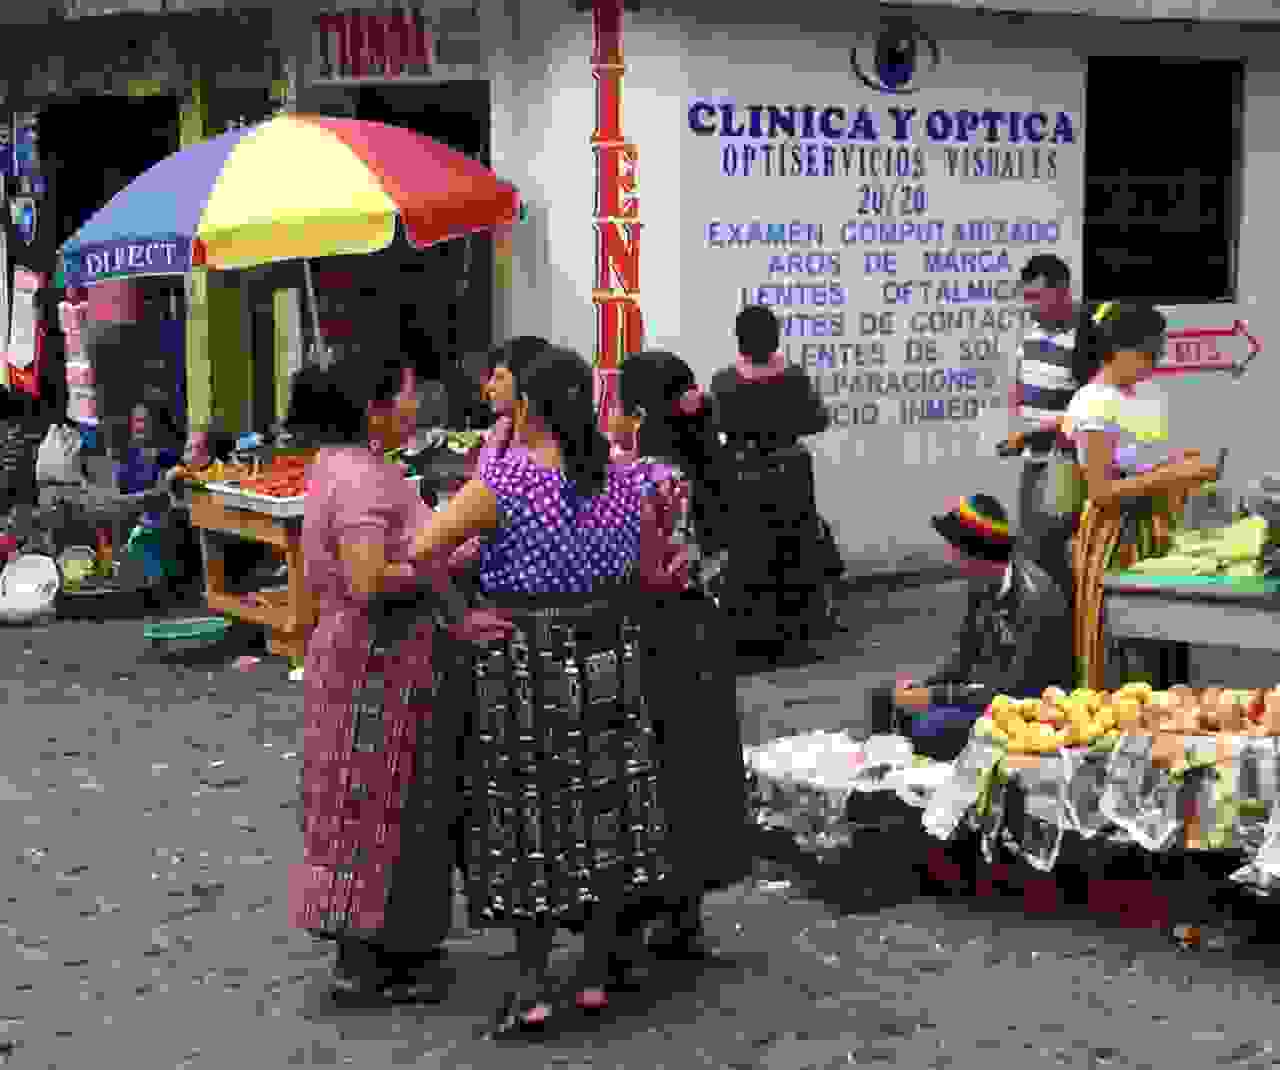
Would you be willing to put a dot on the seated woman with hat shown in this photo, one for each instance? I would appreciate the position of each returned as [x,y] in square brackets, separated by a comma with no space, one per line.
[1017,632]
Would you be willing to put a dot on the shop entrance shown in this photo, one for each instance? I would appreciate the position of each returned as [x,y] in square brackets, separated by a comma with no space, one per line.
[446,293]
[92,147]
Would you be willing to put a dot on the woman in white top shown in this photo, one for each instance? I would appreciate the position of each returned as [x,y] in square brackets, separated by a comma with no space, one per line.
[1135,486]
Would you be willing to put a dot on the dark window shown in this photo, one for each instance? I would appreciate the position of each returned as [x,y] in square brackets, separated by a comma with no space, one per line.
[1162,189]
[90,170]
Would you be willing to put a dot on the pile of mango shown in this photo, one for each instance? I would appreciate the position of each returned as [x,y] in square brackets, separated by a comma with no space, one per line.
[217,472]
[1058,719]
[1086,718]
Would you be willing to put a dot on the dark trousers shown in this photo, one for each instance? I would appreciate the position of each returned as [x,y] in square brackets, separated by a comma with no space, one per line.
[1044,534]
[1032,484]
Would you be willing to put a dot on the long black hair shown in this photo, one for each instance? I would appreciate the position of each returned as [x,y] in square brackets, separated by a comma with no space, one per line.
[330,404]
[558,387]
[656,381]
[516,354]
[1111,326]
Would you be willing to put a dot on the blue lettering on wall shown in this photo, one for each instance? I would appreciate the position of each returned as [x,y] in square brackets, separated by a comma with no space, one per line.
[863,127]
[913,411]
[902,122]
[959,260]
[760,122]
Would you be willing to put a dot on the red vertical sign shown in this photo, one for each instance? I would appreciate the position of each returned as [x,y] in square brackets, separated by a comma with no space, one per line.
[616,293]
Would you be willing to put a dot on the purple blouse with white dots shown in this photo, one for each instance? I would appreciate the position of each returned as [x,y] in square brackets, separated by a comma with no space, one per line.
[550,541]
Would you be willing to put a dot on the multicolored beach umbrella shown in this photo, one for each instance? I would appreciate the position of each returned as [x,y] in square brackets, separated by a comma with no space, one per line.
[293,187]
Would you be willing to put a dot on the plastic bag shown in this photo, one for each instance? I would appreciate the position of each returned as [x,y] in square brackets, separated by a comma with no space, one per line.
[954,798]
[58,459]
[1262,873]
[1140,798]
[1083,801]
[1257,787]
[1044,789]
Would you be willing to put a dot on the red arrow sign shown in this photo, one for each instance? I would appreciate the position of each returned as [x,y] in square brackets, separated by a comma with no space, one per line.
[1195,349]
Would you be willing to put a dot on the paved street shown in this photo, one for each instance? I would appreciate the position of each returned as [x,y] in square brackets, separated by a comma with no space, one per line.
[147,817]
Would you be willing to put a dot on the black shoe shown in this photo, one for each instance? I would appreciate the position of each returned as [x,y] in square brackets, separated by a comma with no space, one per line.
[414,978]
[358,976]
[683,944]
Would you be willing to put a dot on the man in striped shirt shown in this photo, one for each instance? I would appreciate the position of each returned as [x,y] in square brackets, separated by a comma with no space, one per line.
[1049,373]
[1046,379]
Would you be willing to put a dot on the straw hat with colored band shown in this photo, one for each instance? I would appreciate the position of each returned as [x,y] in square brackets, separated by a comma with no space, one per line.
[977,526]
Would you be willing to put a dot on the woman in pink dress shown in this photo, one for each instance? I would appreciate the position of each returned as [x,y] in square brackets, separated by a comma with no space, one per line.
[378,778]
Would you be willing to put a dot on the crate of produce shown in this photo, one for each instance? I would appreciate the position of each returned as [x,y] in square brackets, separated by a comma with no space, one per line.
[233,496]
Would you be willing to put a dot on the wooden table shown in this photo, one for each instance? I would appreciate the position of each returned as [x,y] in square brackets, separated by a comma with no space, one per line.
[1192,610]
[289,615]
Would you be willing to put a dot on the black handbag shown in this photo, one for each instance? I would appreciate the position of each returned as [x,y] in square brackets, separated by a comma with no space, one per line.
[393,617]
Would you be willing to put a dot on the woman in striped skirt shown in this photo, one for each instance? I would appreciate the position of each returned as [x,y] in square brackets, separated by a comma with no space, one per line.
[1135,486]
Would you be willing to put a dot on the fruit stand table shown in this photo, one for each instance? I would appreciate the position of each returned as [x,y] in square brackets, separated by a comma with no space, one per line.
[1192,610]
[289,614]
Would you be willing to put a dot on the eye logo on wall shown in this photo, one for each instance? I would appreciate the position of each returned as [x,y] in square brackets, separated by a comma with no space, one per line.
[895,58]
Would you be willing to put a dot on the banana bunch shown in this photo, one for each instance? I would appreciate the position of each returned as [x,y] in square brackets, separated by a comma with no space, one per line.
[1058,719]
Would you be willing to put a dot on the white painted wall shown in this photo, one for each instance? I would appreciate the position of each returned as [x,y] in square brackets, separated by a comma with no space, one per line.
[878,487]
[1208,10]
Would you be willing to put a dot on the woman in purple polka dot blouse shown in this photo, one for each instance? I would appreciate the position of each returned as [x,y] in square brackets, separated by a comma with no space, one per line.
[561,537]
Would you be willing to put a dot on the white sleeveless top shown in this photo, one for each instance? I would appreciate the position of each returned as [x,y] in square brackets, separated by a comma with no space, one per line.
[1137,427]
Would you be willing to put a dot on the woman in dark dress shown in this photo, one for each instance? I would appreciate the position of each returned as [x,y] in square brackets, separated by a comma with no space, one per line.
[694,697]
[785,561]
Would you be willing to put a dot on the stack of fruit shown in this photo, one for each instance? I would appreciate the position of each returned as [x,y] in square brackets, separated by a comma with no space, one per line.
[217,472]
[1056,719]
[284,477]
[1097,718]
